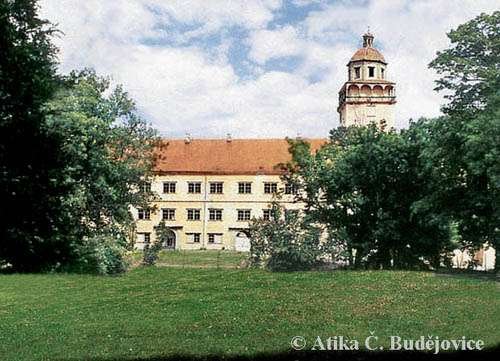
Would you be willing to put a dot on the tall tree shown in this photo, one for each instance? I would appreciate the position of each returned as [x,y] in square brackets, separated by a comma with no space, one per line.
[364,185]
[469,68]
[30,203]
[108,155]
[462,148]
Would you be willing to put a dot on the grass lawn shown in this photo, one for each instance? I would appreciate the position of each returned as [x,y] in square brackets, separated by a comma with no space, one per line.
[201,259]
[166,311]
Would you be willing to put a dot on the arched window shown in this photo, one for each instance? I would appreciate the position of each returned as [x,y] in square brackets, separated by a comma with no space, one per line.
[366,91]
[353,91]
[378,91]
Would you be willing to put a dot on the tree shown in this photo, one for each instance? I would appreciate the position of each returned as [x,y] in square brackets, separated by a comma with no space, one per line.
[30,201]
[150,253]
[363,185]
[462,148]
[108,154]
[470,67]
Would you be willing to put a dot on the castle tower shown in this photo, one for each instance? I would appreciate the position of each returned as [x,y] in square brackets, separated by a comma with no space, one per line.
[367,96]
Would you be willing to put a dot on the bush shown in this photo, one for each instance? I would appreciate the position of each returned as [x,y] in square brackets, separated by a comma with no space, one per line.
[103,255]
[284,243]
[150,254]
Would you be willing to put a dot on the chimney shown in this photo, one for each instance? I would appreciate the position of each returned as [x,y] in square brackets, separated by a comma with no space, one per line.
[229,139]
[187,139]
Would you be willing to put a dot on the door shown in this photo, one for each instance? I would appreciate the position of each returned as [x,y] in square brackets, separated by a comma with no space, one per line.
[169,242]
[242,242]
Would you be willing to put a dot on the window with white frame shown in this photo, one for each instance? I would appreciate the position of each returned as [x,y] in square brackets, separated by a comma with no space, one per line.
[193,237]
[215,238]
[168,214]
[215,214]
[244,214]
[244,187]
[194,187]
[266,214]
[169,187]
[270,187]
[143,214]
[193,214]
[216,187]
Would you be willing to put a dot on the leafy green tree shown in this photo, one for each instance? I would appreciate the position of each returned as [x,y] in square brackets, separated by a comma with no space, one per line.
[469,68]
[462,148]
[108,153]
[363,185]
[30,202]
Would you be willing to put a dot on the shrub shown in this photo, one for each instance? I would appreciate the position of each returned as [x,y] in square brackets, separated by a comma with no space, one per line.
[102,254]
[284,243]
[150,256]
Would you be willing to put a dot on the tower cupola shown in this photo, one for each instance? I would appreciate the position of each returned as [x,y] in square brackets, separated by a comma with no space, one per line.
[367,40]
[367,96]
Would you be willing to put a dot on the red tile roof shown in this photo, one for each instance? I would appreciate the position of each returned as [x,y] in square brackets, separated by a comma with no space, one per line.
[368,53]
[220,156]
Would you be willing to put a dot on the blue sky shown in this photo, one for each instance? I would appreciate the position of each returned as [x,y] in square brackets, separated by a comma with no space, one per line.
[254,68]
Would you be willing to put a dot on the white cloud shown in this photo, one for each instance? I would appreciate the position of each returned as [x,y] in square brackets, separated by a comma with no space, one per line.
[269,44]
[185,88]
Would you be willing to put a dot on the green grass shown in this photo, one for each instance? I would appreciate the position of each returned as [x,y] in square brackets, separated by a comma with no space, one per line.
[200,259]
[165,311]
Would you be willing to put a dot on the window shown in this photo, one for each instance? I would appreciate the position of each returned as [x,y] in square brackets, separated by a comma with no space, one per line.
[371,71]
[382,71]
[168,214]
[357,72]
[215,214]
[143,237]
[270,187]
[290,189]
[215,238]
[291,214]
[193,237]
[266,214]
[244,214]
[193,214]
[244,187]
[194,187]
[216,187]
[143,214]
[168,187]
[146,187]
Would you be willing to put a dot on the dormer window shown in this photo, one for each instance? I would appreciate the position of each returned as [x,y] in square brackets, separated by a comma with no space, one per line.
[371,71]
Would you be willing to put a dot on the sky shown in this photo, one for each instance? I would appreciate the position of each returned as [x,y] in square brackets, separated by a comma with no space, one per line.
[254,68]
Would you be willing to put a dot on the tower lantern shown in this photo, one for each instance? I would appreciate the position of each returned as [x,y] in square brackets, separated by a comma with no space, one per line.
[367,96]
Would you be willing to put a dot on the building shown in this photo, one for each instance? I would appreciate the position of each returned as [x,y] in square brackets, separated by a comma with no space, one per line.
[367,96]
[209,189]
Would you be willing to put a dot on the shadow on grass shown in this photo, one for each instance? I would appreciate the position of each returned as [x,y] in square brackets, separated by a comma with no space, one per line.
[470,274]
[489,354]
